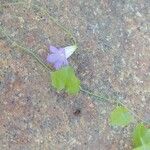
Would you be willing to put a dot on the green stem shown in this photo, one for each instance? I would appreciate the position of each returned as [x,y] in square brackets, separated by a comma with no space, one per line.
[50,17]
[23,48]
[112,101]
[100,97]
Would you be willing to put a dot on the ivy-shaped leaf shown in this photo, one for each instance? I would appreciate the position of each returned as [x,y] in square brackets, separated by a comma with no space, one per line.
[120,116]
[141,138]
[143,147]
[65,78]
[146,137]
[138,134]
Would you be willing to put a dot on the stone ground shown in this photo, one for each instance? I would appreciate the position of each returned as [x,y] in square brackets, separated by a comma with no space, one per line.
[113,58]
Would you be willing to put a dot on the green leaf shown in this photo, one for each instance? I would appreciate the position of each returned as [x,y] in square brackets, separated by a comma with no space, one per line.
[141,137]
[59,79]
[138,134]
[146,137]
[65,79]
[143,147]
[73,85]
[120,116]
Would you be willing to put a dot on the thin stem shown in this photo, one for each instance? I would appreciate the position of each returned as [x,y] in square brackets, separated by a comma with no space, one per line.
[23,48]
[58,24]
[102,98]
[51,18]
[112,101]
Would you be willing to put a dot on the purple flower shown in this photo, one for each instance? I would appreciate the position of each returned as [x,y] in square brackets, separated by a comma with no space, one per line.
[59,56]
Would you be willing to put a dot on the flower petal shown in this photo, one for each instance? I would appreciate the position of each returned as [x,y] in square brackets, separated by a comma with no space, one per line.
[52,58]
[65,62]
[58,65]
[69,50]
[53,49]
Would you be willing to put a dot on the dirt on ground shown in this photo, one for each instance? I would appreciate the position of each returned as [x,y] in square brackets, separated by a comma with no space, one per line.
[113,58]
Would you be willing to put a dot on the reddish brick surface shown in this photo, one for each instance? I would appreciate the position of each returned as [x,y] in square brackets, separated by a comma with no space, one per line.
[113,58]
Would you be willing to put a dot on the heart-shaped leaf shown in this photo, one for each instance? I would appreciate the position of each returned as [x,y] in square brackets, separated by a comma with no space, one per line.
[120,116]
[141,137]
[65,78]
